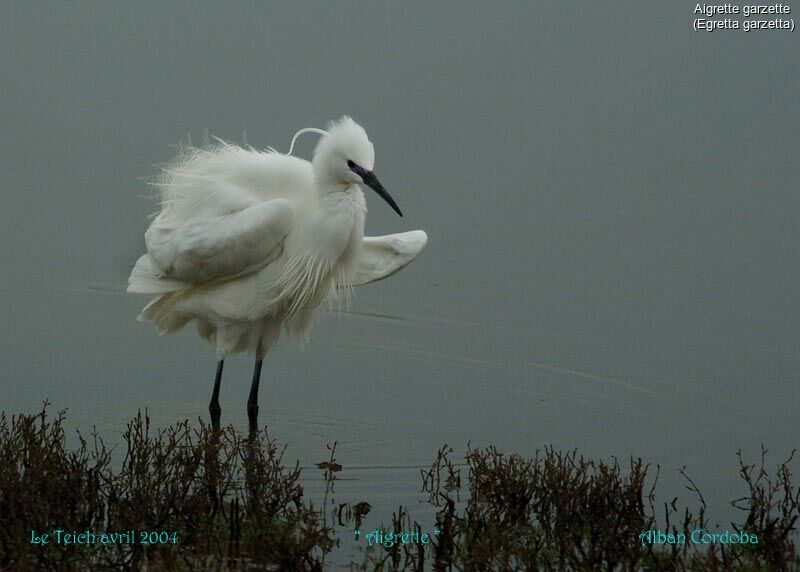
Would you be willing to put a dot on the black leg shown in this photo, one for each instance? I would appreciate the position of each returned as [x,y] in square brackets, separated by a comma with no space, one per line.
[252,401]
[214,407]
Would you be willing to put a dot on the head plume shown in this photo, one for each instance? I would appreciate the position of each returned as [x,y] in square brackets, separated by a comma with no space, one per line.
[347,140]
[344,141]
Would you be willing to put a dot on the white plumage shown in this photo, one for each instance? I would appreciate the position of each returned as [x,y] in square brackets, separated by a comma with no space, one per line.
[248,241]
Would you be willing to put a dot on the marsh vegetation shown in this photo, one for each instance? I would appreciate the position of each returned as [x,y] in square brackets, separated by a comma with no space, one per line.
[232,502]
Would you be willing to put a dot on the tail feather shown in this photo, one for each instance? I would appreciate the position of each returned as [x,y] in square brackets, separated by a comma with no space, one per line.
[161,311]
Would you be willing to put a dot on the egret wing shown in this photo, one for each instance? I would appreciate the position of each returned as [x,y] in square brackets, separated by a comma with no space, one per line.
[145,278]
[382,256]
[220,247]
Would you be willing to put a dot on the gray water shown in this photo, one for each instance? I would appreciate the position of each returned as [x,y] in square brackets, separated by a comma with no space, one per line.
[611,200]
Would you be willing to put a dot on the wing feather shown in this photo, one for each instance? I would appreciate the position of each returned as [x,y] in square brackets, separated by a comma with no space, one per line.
[382,256]
[145,279]
[225,212]
[220,247]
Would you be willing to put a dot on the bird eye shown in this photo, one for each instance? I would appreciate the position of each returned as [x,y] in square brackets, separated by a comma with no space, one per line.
[350,164]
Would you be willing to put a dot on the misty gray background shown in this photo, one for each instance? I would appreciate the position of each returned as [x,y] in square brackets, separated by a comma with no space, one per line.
[611,200]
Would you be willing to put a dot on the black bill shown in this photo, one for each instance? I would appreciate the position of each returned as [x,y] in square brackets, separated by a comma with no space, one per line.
[373,183]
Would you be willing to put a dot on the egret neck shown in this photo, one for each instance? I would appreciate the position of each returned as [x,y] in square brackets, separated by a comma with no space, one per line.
[341,219]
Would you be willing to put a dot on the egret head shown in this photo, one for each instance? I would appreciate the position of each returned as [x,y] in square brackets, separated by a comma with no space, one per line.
[345,156]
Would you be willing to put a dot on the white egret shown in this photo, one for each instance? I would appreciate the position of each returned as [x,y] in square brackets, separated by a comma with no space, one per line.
[250,242]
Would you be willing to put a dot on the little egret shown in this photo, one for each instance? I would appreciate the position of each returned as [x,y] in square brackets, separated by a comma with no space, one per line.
[249,242]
